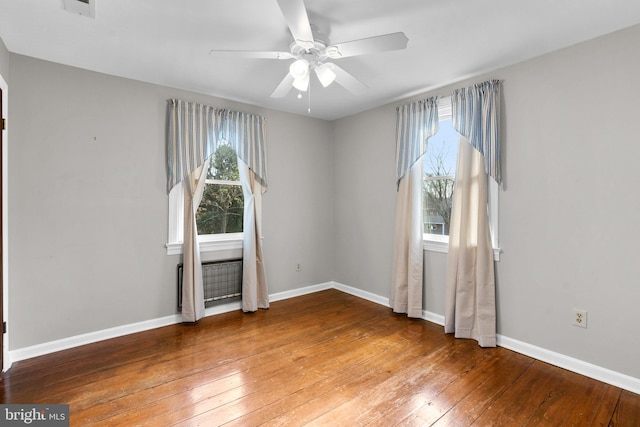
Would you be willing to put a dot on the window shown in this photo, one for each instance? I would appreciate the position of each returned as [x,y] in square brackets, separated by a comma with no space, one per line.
[439,165]
[220,214]
[222,206]
[439,170]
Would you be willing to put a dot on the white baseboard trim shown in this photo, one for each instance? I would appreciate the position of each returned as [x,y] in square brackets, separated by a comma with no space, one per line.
[118,331]
[88,338]
[219,309]
[438,319]
[362,294]
[572,364]
[300,291]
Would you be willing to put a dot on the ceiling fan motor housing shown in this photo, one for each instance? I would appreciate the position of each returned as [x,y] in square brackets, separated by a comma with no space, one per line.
[314,55]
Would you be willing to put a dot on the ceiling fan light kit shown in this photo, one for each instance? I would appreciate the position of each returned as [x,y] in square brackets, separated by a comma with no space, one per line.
[302,83]
[299,69]
[325,74]
[311,49]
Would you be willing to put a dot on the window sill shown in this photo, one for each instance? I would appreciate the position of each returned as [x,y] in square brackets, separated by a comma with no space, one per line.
[440,244]
[210,244]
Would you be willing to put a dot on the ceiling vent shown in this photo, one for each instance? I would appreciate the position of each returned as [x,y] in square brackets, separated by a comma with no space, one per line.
[81,7]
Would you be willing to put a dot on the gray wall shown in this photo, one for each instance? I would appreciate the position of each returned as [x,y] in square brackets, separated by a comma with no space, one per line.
[364,191]
[568,213]
[88,206]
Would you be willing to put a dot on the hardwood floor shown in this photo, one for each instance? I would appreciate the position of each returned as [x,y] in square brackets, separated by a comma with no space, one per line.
[327,358]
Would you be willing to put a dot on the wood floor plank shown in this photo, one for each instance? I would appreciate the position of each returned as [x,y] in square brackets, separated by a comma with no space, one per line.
[425,376]
[415,346]
[462,403]
[627,413]
[284,363]
[544,395]
[463,398]
[283,385]
[566,402]
[327,358]
[226,347]
[282,349]
[362,362]
[293,401]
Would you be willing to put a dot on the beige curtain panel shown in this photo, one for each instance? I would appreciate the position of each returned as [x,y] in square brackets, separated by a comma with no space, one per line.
[192,288]
[406,289]
[254,279]
[470,309]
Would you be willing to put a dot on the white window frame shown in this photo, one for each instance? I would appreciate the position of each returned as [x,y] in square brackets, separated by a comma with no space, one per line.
[208,242]
[439,243]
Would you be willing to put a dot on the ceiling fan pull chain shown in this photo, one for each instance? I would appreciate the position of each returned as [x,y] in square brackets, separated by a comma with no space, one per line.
[309,100]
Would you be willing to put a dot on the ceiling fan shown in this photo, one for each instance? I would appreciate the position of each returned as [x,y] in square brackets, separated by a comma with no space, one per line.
[311,51]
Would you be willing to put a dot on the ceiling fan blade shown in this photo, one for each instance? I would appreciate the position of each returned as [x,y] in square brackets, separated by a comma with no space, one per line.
[284,87]
[347,81]
[295,13]
[252,54]
[393,41]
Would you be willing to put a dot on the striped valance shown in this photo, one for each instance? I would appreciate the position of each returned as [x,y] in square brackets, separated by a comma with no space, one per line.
[475,115]
[196,131]
[415,123]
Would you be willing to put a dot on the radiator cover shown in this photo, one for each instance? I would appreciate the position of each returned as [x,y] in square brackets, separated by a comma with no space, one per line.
[220,279]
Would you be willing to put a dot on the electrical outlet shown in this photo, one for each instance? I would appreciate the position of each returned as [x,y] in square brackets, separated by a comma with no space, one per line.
[580,318]
[298,267]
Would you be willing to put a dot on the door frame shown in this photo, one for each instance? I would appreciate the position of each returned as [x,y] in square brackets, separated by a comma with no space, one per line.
[5,361]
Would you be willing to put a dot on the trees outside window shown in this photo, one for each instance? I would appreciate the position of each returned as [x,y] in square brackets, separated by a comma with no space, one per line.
[438,179]
[222,207]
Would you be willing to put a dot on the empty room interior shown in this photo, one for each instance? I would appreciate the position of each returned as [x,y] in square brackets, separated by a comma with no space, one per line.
[117,116]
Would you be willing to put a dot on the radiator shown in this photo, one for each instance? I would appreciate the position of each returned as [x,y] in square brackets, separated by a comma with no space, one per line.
[220,279]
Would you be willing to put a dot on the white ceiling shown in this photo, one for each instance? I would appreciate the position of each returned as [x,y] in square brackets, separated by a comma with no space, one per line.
[167,42]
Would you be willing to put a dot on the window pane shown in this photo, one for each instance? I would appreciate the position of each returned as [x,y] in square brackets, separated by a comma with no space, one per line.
[439,172]
[222,206]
